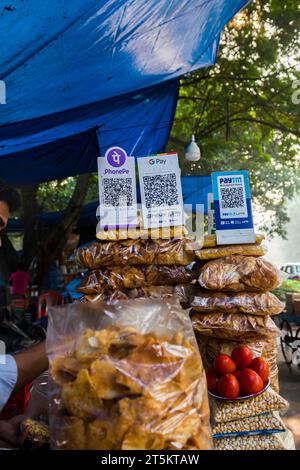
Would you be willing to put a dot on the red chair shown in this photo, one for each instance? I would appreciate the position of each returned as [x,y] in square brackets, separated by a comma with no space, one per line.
[46,300]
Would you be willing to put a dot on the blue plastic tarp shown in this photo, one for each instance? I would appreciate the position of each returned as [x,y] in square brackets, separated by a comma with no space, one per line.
[85,67]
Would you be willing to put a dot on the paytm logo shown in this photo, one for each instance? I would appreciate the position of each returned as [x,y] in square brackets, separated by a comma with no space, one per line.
[231,180]
[157,161]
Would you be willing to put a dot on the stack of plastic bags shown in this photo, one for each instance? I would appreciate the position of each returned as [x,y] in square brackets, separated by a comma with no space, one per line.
[233,306]
[127,269]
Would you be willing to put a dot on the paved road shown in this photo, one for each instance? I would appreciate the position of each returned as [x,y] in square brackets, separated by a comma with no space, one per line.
[290,389]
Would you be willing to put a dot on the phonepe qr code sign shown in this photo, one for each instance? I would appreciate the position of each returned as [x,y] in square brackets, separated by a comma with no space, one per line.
[117,189]
[161,191]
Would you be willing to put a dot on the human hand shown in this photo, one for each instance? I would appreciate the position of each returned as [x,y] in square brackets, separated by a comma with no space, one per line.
[10,430]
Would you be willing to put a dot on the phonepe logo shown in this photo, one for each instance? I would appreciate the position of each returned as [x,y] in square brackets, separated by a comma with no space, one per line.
[116,156]
[157,161]
[2,352]
[231,180]
[2,92]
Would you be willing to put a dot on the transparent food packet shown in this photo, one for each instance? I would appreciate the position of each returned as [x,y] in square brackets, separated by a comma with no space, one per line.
[239,273]
[178,252]
[129,277]
[220,251]
[126,375]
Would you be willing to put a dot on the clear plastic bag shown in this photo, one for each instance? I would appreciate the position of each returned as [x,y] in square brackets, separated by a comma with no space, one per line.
[279,441]
[137,252]
[224,411]
[129,277]
[210,241]
[183,293]
[234,326]
[266,423]
[126,375]
[239,273]
[250,303]
[135,233]
[266,347]
[228,250]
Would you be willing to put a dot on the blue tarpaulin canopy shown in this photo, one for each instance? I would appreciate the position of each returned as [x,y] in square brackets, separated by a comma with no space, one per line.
[85,73]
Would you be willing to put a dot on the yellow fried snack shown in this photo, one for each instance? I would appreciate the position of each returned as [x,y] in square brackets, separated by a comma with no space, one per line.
[228,250]
[210,241]
[127,390]
[80,398]
[135,233]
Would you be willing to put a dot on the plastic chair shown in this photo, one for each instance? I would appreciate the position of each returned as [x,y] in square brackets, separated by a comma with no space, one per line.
[46,300]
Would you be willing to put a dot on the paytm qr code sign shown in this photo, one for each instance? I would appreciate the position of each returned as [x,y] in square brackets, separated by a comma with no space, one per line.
[233,210]
[161,192]
[117,189]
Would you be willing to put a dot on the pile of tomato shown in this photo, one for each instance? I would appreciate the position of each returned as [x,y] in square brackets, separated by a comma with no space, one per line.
[239,375]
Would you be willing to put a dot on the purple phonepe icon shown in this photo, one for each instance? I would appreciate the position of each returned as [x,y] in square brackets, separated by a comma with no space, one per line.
[116,156]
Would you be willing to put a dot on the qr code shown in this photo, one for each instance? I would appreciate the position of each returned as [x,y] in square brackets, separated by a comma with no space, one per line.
[232,198]
[117,192]
[161,190]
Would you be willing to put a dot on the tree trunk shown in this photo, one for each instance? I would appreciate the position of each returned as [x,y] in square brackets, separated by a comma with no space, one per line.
[30,223]
[53,244]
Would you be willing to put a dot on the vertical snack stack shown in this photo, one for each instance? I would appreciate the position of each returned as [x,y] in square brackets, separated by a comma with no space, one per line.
[231,314]
[137,268]
[126,376]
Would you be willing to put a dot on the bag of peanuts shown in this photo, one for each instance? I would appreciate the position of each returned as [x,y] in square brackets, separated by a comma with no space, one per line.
[129,277]
[266,423]
[224,411]
[238,273]
[262,346]
[126,376]
[178,252]
[234,326]
[183,293]
[250,303]
[279,441]
[221,251]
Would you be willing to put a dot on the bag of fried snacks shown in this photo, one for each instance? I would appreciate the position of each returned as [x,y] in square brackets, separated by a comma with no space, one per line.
[278,441]
[260,347]
[210,241]
[183,293]
[266,423]
[136,252]
[228,250]
[234,326]
[238,273]
[135,233]
[250,303]
[126,376]
[129,277]
[224,411]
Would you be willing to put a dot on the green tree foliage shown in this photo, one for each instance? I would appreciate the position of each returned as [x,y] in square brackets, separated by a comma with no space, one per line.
[241,110]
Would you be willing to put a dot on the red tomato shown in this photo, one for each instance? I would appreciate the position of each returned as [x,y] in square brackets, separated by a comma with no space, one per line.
[224,364]
[242,357]
[236,374]
[212,380]
[250,382]
[228,386]
[261,367]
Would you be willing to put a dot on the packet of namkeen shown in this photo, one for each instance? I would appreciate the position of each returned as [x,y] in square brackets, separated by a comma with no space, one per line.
[228,250]
[135,233]
[129,277]
[250,303]
[238,273]
[179,252]
[126,376]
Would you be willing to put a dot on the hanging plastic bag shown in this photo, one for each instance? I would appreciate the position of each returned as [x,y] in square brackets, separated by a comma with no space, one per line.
[126,376]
